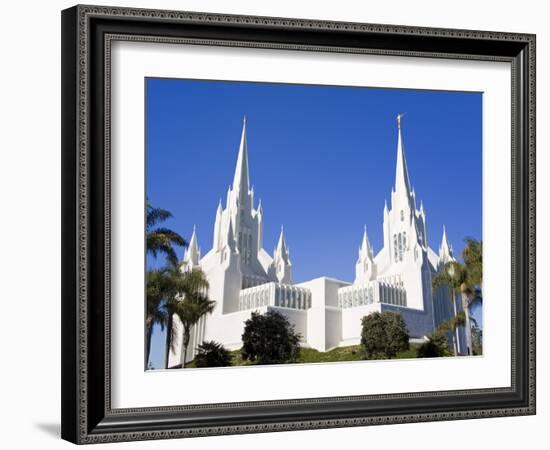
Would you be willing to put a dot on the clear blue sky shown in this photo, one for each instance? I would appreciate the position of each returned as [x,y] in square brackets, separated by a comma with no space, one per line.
[322,159]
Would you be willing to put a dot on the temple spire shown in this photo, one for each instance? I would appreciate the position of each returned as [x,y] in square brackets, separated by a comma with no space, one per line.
[281,261]
[445,250]
[365,267]
[217,226]
[282,250]
[365,251]
[365,242]
[240,181]
[402,183]
[192,255]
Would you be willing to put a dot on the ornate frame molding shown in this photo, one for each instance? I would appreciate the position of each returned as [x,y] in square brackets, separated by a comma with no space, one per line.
[88,32]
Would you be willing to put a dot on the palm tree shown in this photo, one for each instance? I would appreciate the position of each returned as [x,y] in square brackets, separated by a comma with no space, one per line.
[463,278]
[186,297]
[190,310]
[451,276]
[160,239]
[451,325]
[472,276]
[155,311]
[472,256]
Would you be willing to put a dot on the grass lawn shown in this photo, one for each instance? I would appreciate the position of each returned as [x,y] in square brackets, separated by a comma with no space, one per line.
[309,355]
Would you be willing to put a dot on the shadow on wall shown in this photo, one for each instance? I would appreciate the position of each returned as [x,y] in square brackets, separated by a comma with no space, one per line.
[53,429]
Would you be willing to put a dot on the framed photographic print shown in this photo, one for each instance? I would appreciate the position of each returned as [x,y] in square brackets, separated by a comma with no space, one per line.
[281,224]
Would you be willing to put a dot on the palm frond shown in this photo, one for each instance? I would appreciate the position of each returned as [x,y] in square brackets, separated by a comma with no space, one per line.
[171,236]
[472,254]
[156,215]
[161,240]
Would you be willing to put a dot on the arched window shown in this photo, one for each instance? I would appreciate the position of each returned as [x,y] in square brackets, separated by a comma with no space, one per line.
[402,215]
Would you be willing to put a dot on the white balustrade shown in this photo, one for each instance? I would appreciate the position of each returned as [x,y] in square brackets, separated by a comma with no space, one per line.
[274,294]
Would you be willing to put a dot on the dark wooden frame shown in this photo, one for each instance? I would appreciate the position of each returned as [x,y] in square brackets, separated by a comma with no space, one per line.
[87,31]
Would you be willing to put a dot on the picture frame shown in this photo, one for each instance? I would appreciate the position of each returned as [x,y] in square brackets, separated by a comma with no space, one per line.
[87,413]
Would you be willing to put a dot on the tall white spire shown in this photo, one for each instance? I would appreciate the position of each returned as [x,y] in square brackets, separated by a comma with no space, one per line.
[365,268]
[445,250]
[402,183]
[192,255]
[281,261]
[281,252]
[241,181]
[365,251]
[217,226]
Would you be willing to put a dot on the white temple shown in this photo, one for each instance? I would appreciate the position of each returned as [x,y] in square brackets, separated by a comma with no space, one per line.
[326,312]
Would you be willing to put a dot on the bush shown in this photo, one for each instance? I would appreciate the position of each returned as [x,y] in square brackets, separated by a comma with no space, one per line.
[212,354]
[384,335]
[269,339]
[438,345]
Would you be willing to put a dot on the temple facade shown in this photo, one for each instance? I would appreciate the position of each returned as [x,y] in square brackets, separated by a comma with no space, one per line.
[327,312]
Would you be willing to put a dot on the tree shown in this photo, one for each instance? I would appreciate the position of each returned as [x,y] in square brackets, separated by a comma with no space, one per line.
[472,255]
[451,326]
[187,299]
[193,305]
[451,275]
[269,339]
[463,279]
[436,346]
[212,354]
[155,311]
[158,309]
[477,340]
[160,239]
[383,335]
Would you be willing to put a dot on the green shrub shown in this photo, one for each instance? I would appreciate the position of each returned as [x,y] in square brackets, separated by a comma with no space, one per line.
[212,354]
[436,346]
[384,335]
[269,339]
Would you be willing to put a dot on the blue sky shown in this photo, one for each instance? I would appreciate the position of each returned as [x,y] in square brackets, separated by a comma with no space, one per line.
[321,158]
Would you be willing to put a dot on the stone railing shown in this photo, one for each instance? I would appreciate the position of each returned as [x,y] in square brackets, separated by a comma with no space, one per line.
[275,294]
[372,292]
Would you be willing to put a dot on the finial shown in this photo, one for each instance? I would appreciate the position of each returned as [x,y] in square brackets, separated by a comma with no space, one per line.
[244,119]
[194,228]
[399,116]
